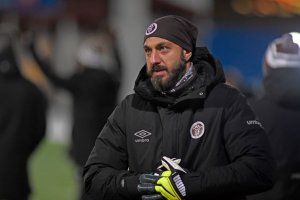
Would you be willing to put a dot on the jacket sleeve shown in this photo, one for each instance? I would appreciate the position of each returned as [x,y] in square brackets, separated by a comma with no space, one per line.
[251,164]
[38,113]
[31,117]
[106,174]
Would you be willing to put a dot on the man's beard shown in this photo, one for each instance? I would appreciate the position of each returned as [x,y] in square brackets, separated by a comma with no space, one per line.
[174,76]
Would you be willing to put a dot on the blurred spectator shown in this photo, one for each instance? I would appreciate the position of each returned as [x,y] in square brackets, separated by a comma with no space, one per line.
[22,121]
[279,111]
[236,79]
[94,88]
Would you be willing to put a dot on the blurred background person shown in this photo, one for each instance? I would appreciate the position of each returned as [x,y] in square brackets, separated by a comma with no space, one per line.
[235,78]
[22,120]
[279,112]
[94,88]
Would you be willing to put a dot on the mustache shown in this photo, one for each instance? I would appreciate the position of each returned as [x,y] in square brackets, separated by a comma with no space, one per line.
[158,68]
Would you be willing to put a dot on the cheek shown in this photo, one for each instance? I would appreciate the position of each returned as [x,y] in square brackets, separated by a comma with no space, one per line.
[148,67]
[171,60]
[171,65]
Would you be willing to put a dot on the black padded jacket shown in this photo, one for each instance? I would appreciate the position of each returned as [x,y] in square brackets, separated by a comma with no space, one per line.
[209,125]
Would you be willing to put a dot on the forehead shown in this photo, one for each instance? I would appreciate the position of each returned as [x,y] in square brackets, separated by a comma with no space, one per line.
[154,41]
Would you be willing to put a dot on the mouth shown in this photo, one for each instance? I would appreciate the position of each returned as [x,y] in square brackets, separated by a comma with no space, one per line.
[158,70]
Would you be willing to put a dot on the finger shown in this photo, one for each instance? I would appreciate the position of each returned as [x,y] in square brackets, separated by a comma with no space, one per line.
[148,178]
[146,188]
[152,197]
[165,193]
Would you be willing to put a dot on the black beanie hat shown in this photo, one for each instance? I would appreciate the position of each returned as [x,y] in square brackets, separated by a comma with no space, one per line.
[175,29]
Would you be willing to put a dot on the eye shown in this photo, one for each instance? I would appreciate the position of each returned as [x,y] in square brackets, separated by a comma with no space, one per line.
[163,48]
[147,51]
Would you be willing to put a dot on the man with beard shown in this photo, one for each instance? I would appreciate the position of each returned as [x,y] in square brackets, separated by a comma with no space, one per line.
[184,133]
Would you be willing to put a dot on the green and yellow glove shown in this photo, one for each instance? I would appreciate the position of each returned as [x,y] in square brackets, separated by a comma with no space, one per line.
[166,185]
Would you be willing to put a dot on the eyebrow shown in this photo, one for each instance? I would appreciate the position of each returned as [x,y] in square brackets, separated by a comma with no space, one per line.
[157,45]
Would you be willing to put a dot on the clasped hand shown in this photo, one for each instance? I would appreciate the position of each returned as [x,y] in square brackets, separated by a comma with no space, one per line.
[166,183]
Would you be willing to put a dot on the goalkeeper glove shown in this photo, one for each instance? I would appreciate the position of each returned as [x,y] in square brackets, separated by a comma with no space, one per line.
[169,185]
[166,184]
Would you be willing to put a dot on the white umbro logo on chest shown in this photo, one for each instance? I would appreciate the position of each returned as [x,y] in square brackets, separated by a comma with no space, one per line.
[142,136]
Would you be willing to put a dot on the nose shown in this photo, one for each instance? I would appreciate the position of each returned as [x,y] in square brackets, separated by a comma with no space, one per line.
[154,58]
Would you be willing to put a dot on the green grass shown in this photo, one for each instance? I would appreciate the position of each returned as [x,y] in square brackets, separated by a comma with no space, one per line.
[52,173]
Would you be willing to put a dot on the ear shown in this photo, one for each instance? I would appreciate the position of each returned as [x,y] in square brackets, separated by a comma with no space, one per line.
[187,55]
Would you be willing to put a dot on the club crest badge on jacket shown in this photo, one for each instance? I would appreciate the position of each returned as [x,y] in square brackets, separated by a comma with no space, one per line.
[197,130]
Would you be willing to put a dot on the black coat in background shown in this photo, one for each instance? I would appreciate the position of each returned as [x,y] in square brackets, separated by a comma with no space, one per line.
[279,112]
[94,93]
[22,127]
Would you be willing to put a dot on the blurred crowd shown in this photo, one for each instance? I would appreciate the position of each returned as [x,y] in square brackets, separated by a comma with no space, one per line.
[29,83]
